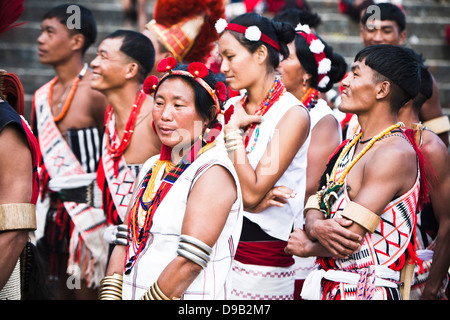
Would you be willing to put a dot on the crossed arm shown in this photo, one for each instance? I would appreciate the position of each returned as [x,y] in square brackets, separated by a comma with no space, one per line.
[341,237]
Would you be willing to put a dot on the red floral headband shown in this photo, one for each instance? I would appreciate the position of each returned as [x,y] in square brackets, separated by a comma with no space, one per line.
[196,70]
[251,33]
[317,49]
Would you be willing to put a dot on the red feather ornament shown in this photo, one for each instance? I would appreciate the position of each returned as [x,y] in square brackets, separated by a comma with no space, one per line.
[198,69]
[10,12]
[221,91]
[228,113]
[150,84]
[166,64]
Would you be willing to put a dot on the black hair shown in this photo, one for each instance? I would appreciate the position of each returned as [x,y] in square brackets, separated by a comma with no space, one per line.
[294,16]
[204,103]
[281,32]
[309,63]
[388,11]
[87,26]
[139,48]
[426,88]
[399,66]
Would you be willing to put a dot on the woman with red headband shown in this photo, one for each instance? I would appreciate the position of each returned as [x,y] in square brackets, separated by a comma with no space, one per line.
[312,68]
[186,217]
[267,138]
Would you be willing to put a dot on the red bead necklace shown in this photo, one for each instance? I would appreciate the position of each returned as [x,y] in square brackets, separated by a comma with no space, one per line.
[309,99]
[114,150]
[274,94]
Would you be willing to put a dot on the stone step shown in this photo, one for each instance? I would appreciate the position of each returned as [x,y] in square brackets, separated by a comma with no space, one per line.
[429,27]
[426,21]
[417,8]
[350,45]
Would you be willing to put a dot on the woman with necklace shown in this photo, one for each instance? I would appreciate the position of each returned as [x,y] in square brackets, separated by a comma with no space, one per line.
[267,138]
[312,68]
[185,216]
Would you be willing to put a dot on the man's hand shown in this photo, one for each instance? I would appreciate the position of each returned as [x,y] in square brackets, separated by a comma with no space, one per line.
[299,244]
[334,236]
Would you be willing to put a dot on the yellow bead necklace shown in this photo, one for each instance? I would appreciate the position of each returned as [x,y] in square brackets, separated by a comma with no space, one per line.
[325,194]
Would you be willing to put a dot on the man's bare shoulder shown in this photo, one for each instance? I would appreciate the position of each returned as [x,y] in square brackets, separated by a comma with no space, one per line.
[393,155]
[435,151]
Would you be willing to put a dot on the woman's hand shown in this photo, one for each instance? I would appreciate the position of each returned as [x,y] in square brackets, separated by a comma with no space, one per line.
[277,197]
[240,119]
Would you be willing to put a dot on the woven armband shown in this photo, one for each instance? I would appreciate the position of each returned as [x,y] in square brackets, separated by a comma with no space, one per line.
[312,203]
[15,216]
[194,250]
[362,216]
[438,125]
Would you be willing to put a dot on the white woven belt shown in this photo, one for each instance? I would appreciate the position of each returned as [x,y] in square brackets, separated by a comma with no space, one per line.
[312,285]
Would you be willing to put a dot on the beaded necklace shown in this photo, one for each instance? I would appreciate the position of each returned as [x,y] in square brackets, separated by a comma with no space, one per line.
[274,94]
[330,190]
[148,198]
[68,101]
[116,152]
[309,99]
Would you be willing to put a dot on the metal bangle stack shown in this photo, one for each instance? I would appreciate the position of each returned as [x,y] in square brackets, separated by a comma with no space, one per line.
[122,235]
[194,250]
[111,287]
[155,293]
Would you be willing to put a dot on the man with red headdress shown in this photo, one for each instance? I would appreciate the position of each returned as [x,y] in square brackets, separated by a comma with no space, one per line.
[184,29]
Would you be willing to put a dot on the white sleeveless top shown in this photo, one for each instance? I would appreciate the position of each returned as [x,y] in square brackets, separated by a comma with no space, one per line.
[275,221]
[214,282]
[305,265]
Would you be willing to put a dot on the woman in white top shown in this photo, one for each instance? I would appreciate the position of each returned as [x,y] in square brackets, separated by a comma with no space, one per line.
[311,68]
[186,217]
[267,138]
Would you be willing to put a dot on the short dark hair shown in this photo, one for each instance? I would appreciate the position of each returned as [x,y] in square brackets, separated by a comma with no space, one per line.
[388,11]
[426,88]
[399,65]
[88,26]
[139,48]
[281,32]
[204,103]
[294,16]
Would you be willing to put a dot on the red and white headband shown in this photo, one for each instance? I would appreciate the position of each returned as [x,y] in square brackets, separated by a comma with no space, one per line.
[196,70]
[251,33]
[317,49]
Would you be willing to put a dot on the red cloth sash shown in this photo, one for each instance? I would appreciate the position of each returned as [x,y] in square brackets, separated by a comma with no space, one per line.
[264,253]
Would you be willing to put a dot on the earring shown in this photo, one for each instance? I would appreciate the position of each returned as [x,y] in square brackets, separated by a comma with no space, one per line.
[304,85]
